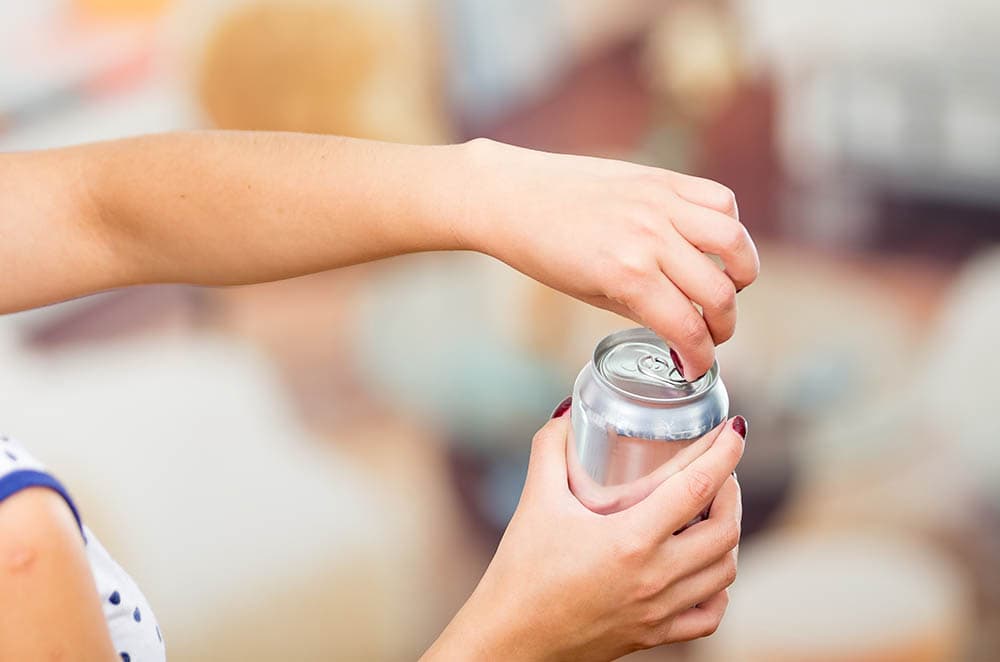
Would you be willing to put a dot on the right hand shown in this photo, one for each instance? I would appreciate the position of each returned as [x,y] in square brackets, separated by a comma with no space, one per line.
[567,583]
[625,237]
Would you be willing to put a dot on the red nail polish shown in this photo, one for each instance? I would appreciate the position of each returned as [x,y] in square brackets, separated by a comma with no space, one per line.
[677,361]
[562,407]
[740,425]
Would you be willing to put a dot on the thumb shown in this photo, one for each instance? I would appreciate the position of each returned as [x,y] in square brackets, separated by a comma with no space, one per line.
[547,466]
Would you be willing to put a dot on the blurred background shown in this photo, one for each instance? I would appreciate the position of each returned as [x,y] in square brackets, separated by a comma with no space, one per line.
[321,468]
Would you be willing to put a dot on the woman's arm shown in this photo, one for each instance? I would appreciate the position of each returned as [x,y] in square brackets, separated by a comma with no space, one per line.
[214,208]
[569,584]
[219,208]
[49,607]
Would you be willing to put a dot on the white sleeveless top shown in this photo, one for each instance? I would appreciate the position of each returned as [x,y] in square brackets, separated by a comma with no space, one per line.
[134,631]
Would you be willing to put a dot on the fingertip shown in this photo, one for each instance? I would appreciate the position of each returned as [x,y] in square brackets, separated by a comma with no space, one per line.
[740,426]
[693,364]
[701,368]
[562,407]
[678,363]
[732,444]
[725,333]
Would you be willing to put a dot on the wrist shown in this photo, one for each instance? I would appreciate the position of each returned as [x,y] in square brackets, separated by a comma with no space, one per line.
[473,205]
[484,629]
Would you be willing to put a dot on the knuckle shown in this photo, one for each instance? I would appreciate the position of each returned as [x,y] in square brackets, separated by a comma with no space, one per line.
[711,626]
[723,198]
[729,570]
[654,628]
[655,180]
[647,637]
[641,224]
[631,548]
[724,334]
[650,615]
[699,485]
[623,289]
[730,536]
[657,637]
[755,269]
[723,296]
[633,265]
[693,330]
[733,239]
[646,225]
[629,279]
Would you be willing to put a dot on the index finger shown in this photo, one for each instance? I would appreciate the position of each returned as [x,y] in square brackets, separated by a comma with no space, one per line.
[685,494]
[547,464]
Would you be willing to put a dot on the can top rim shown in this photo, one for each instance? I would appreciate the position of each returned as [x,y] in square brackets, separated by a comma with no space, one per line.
[641,348]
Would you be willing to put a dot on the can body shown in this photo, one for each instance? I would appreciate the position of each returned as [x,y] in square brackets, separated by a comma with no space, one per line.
[632,413]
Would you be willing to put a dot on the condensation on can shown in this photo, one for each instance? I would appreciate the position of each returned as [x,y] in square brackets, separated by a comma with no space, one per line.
[632,413]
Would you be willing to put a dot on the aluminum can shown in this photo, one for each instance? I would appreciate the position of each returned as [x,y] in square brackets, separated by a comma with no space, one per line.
[632,412]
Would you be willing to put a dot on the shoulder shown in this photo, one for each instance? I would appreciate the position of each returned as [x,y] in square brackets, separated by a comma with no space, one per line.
[20,471]
[48,602]
[37,517]
[35,525]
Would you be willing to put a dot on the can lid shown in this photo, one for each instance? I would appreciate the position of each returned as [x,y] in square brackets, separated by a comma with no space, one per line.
[637,363]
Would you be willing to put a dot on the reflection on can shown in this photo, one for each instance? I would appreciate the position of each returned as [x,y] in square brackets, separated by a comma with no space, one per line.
[633,415]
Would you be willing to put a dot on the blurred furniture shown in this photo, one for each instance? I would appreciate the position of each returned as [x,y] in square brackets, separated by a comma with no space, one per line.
[884,113]
[842,597]
[368,70]
[252,540]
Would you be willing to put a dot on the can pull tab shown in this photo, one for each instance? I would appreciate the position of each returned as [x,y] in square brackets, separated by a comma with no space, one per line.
[660,369]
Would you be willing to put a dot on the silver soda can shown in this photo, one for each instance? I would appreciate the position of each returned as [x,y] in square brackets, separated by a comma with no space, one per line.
[632,412]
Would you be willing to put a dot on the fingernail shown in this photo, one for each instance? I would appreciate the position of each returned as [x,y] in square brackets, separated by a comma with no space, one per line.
[562,407]
[677,361]
[740,425]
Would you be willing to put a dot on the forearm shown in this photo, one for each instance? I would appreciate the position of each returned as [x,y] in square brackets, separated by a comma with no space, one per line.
[490,626]
[220,208]
[479,633]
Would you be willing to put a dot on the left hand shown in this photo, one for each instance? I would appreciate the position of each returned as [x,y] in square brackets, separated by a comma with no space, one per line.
[569,584]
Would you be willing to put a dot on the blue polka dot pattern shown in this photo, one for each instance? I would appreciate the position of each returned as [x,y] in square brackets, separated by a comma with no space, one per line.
[130,641]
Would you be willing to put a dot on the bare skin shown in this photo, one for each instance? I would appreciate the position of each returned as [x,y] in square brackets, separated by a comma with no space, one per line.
[570,584]
[45,579]
[227,208]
